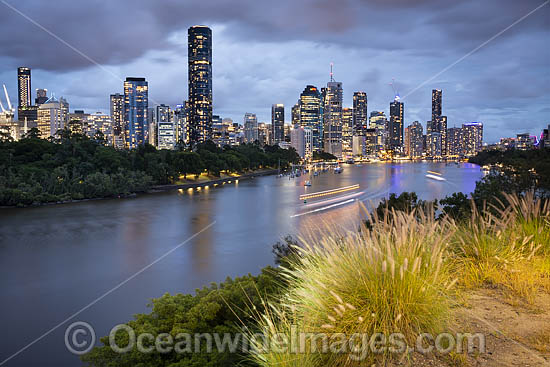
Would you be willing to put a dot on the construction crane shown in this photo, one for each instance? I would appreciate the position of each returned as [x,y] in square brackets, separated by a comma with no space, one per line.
[395,91]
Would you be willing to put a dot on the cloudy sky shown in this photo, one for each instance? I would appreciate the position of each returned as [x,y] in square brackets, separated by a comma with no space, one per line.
[265,52]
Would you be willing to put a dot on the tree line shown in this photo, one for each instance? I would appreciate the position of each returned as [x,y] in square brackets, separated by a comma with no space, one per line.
[73,166]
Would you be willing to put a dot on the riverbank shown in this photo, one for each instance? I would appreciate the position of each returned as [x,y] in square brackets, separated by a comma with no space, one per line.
[158,188]
[220,181]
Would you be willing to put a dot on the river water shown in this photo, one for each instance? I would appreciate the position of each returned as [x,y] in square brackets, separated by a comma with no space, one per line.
[56,260]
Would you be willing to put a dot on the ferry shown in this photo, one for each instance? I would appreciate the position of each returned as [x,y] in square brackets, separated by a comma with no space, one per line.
[338,169]
[307,183]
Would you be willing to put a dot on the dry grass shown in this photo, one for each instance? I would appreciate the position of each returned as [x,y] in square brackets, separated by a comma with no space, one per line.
[399,275]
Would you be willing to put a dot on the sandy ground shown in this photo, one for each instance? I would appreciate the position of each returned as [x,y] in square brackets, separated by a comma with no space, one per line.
[516,334]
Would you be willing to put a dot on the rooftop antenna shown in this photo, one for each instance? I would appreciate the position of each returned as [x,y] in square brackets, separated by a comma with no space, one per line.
[7,97]
[331,74]
[395,91]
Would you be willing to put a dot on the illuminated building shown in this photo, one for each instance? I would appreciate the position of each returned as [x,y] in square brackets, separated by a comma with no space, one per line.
[98,122]
[116,103]
[472,136]
[379,122]
[524,141]
[438,124]
[371,141]
[200,83]
[277,123]
[250,127]
[455,142]
[347,130]
[332,121]
[311,115]
[396,125]
[435,144]
[136,103]
[414,144]
[545,139]
[25,111]
[295,114]
[181,116]
[53,115]
[360,117]
[166,132]
[264,133]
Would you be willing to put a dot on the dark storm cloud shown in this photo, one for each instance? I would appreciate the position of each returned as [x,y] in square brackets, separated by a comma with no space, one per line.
[266,52]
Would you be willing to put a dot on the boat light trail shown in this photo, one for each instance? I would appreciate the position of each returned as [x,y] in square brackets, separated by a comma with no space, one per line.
[434,173]
[328,192]
[324,208]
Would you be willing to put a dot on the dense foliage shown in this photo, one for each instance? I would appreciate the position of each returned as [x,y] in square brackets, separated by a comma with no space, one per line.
[73,166]
[518,170]
[324,156]
[220,308]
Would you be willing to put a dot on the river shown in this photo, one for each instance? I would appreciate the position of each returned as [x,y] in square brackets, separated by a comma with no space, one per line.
[55,260]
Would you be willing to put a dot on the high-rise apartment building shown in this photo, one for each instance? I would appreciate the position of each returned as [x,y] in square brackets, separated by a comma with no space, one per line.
[437,124]
[379,122]
[332,129]
[455,142]
[166,132]
[116,103]
[250,127]
[311,115]
[414,141]
[25,110]
[472,135]
[200,83]
[295,114]
[278,123]
[136,104]
[53,115]
[360,117]
[347,131]
[396,126]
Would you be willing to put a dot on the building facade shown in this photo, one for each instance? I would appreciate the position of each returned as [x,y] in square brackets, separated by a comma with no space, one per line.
[332,129]
[311,115]
[200,83]
[136,104]
[360,117]
[472,135]
[396,128]
[52,116]
[277,123]
[250,128]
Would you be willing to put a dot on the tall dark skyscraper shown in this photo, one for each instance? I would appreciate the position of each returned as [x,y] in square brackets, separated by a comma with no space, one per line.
[200,83]
[278,123]
[117,112]
[396,125]
[24,87]
[136,104]
[360,117]
[438,124]
[25,109]
[436,104]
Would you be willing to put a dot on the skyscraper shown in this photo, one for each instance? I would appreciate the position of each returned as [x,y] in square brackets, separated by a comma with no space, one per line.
[347,130]
[332,130]
[278,123]
[250,127]
[396,125]
[116,102]
[53,115]
[379,122]
[200,83]
[455,142]
[166,132]
[311,115]
[360,117]
[24,87]
[25,110]
[472,134]
[415,146]
[438,124]
[136,103]
[295,114]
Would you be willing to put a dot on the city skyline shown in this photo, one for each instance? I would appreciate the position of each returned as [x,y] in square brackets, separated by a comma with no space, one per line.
[478,89]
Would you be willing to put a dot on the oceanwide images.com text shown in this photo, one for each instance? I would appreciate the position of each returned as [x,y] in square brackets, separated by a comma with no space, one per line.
[80,337]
